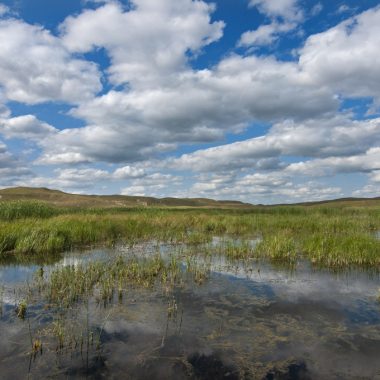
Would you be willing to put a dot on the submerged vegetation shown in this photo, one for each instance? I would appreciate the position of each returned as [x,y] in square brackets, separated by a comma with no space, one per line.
[326,235]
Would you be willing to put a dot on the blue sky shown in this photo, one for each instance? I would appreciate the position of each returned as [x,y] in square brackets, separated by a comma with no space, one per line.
[265,101]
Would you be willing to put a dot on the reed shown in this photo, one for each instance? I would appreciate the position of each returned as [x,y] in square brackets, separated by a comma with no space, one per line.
[331,236]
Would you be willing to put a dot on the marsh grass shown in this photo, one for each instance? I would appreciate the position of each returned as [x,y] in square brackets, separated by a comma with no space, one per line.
[21,309]
[329,236]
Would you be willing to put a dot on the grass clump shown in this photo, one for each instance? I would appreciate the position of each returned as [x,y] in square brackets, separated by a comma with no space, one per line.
[342,250]
[280,247]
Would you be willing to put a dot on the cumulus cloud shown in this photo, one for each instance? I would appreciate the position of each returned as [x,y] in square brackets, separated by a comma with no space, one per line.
[345,57]
[147,42]
[260,187]
[35,66]
[159,101]
[127,172]
[25,127]
[79,179]
[332,165]
[201,107]
[285,15]
[338,136]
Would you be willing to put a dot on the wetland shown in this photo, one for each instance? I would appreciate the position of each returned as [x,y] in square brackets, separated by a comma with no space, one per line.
[267,293]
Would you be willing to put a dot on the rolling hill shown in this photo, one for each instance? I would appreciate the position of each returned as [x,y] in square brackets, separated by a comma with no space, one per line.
[60,198]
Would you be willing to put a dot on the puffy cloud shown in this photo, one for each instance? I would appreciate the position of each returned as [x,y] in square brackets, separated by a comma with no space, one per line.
[36,67]
[201,107]
[345,57]
[163,102]
[332,165]
[285,16]
[74,179]
[337,136]
[127,172]
[147,42]
[11,168]
[25,127]
[259,187]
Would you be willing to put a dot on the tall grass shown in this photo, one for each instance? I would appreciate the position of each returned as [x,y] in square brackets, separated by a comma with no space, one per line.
[327,236]
[26,209]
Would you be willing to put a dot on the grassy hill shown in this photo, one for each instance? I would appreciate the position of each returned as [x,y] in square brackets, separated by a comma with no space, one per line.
[60,198]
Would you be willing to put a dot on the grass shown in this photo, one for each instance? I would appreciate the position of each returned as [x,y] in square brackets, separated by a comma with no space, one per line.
[328,236]
[108,281]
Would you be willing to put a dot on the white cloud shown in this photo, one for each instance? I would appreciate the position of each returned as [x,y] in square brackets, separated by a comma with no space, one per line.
[199,107]
[165,103]
[11,168]
[345,57]
[136,191]
[375,176]
[284,15]
[3,9]
[366,191]
[25,127]
[268,188]
[343,8]
[286,9]
[265,34]
[127,172]
[337,136]
[333,165]
[156,185]
[35,66]
[146,43]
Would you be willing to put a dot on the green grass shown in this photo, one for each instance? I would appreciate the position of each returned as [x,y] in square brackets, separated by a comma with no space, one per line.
[329,236]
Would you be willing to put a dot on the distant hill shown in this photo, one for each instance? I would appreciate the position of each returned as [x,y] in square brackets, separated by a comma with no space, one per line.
[341,202]
[60,198]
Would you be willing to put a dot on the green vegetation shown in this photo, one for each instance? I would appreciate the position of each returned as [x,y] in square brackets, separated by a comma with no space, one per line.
[328,236]
[21,309]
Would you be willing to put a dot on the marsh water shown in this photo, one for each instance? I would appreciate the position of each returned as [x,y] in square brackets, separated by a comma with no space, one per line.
[243,320]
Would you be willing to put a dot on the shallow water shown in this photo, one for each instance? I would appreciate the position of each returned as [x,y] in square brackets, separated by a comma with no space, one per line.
[249,320]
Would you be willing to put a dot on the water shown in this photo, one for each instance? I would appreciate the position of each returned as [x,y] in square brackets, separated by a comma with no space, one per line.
[248,320]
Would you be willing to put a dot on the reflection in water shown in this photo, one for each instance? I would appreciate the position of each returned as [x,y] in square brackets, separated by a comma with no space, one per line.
[248,320]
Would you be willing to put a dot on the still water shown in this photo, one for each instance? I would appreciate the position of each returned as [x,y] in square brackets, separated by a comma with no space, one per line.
[246,320]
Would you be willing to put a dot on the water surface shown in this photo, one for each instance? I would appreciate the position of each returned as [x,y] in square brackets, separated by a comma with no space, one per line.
[246,320]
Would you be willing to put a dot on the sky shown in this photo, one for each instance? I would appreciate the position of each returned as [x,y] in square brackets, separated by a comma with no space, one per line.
[264,101]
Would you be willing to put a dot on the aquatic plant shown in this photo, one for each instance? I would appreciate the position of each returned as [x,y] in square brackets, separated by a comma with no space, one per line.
[21,309]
